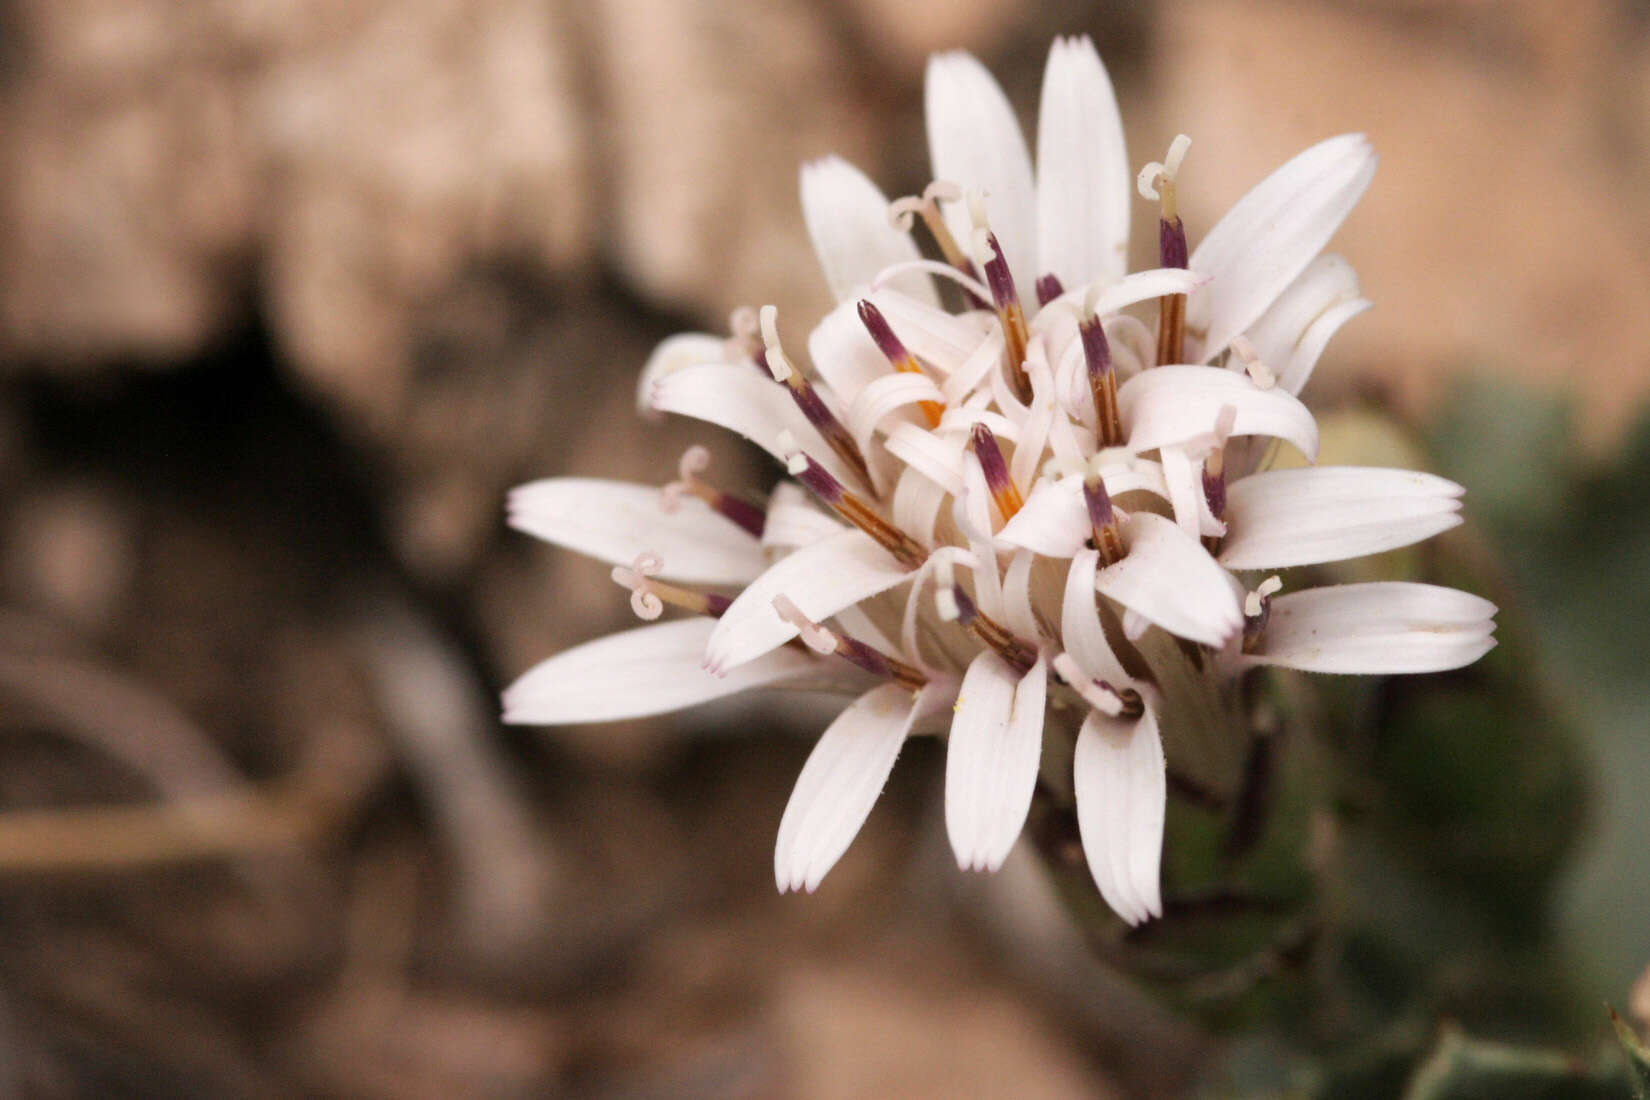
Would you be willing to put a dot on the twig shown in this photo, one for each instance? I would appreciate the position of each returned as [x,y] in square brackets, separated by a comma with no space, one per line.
[286,813]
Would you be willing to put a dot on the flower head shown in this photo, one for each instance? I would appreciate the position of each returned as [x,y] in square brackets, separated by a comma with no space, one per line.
[1029,492]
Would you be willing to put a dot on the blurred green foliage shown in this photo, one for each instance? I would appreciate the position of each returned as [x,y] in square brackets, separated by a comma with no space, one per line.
[1573,533]
[1482,867]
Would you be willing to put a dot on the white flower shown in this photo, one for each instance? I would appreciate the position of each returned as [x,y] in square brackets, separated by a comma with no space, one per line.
[1015,518]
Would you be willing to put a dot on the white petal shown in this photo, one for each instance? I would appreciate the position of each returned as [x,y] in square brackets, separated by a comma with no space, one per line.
[974,141]
[742,400]
[981,721]
[1018,614]
[848,222]
[942,340]
[1175,404]
[1137,287]
[839,784]
[1328,280]
[1080,628]
[960,419]
[614,521]
[1055,520]
[1273,232]
[1293,377]
[991,760]
[1187,498]
[1375,628]
[844,354]
[885,397]
[917,504]
[794,520]
[1121,784]
[650,670]
[1330,513]
[980,362]
[686,349]
[973,510]
[1171,580]
[938,458]
[820,579]
[1083,192]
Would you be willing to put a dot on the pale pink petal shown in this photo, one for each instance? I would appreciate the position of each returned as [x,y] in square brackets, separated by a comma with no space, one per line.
[1121,783]
[1170,579]
[917,504]
[981,721]
[1287,336]
[975,142]
[614,521]
[1183,475]
[1080,629]
[1330,513]
[885,397]
[649,670]
[985,357]
[1273,232]
[821,579]
[1176,404]
[839,784]
[1294,375]
[973,508]
[1018,614]
[937,458]
[847,219]
[744,400]
[991,759]
[944,341]
[844,354]
[960,419]
[1377,628]
[686,349]
[795,520]
[1130,289]
[1083,192]
[1055,521]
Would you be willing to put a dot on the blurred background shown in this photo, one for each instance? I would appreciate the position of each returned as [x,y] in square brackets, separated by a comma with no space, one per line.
[291,293]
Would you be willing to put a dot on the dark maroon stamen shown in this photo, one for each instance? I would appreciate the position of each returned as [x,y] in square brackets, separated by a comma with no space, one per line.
[819,414]
[881,332]
[1101,514]
[742,512]
[991,460]
[1108,536]
[819,480]
[1214,491]
[1096,348]
[1171,242]
[1049,288]
[998,278]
